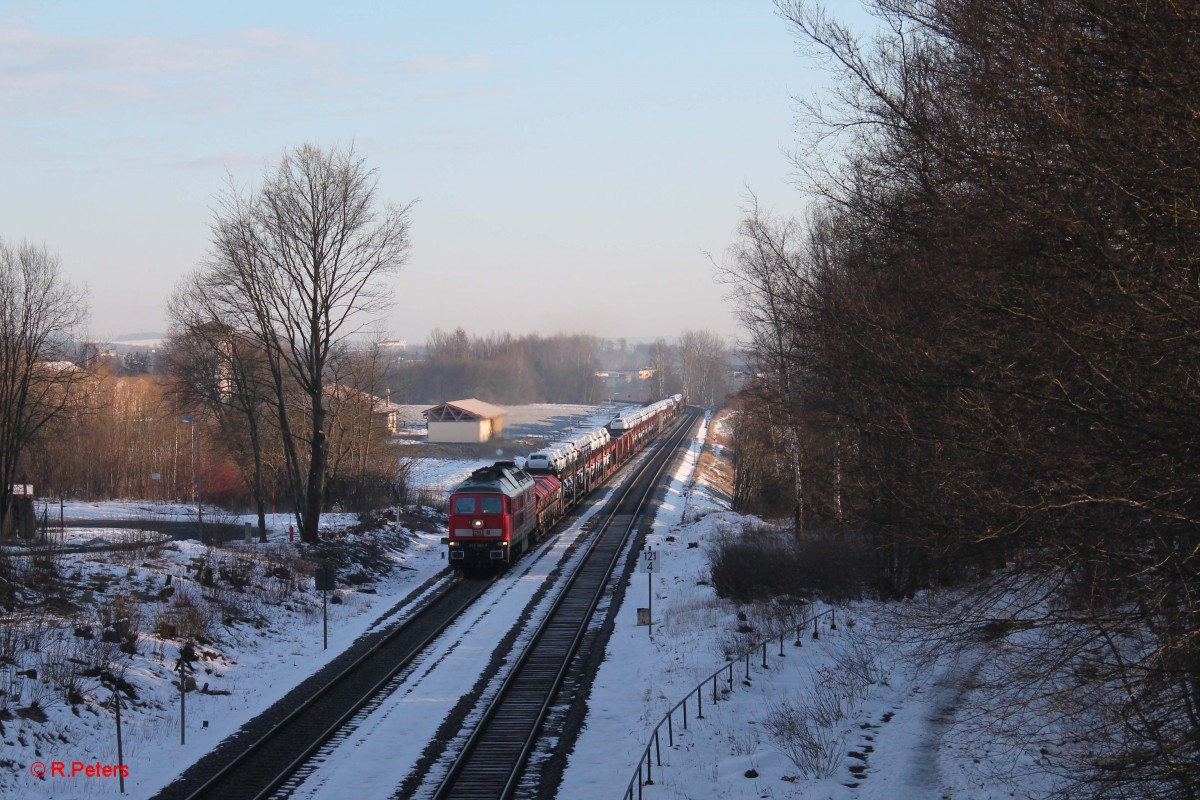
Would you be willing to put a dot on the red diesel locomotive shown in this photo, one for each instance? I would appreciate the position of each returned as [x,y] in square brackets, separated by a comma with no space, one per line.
[501,510]
[495,514]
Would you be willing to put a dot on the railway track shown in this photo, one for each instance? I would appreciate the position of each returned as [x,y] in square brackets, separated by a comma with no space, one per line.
[261,760]
[279,746]
[491,761]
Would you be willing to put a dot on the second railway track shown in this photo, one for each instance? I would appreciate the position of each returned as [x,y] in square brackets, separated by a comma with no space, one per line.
[494,755]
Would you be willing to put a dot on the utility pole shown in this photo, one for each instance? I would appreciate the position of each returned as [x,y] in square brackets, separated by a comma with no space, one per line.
[195,423]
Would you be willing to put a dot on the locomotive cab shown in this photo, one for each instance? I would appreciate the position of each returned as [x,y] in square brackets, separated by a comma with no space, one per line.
[479,529]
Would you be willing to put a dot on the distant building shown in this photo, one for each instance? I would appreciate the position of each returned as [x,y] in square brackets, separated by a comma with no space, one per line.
[464,421]
[383,413]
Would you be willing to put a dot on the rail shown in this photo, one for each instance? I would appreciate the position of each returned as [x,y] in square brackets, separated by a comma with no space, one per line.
[524,697]
[645,764]
[351,677]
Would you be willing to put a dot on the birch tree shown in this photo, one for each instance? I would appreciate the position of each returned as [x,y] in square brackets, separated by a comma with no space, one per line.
[766,271]
[704,358]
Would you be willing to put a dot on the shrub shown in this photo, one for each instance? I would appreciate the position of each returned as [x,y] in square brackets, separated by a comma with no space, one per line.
[759,563]
[815,749]
[237,572]
[188,618]
[120,620]
[61,667]
[862,661]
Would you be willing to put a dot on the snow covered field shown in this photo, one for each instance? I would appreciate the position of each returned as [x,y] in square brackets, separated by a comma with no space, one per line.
[524,421]
[433,476]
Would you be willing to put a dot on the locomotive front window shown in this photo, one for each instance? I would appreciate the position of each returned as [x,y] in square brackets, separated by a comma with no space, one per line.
[464,505]
[490,505]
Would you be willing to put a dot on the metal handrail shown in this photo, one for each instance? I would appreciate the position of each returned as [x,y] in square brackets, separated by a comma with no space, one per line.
[668,718]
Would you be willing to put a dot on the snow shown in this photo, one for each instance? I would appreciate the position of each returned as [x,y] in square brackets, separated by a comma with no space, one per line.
[904,732]
[114,509]
[520,421]
[384,745]
[443,474]
[256,664]
[431,477]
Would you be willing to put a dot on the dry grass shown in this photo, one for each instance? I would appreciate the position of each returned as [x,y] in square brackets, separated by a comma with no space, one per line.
[713,469]
[685,618]
[803,730]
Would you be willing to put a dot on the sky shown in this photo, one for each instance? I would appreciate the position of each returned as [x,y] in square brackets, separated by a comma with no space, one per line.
[574,164]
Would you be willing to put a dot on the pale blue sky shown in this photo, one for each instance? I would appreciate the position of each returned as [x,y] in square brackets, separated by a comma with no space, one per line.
[574,161]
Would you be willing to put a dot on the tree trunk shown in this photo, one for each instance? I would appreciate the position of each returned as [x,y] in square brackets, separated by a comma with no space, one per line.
[315,491]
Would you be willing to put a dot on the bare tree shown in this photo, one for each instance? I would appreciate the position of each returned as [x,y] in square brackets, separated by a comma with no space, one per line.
[40,316]
[704,358]
[114,435]
[662,358]
[1001,325]
[532,368]
[363,466]
[299,266]
[768,273]
[211,365]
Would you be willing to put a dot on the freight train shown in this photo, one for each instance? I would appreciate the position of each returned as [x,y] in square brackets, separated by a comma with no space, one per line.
[502,510]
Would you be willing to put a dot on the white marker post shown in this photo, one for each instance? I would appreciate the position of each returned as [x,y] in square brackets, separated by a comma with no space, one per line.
[648,562]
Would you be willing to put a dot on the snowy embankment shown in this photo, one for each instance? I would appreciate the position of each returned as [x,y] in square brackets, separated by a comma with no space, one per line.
[891,724]
[253,647]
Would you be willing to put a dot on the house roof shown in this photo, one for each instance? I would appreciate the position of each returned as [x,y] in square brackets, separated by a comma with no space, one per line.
[342,393]
[463,410]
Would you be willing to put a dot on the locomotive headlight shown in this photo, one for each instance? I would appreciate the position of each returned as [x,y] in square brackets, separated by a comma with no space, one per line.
[476,524]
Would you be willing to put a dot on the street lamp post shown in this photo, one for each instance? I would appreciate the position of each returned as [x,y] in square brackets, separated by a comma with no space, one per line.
[195,423]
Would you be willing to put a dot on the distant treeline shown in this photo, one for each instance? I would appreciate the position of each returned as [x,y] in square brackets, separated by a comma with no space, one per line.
[562,368]
[502,368]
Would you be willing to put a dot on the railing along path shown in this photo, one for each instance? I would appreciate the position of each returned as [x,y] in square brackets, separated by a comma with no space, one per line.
[644,776]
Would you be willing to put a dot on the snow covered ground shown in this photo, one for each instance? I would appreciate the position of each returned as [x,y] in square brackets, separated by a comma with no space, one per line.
[249,661]
[443,474]
[900,736]
[897,737]
[266,642]
[433,476]
[522,421]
